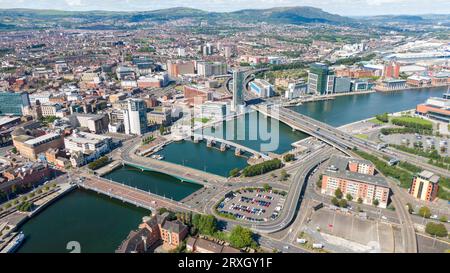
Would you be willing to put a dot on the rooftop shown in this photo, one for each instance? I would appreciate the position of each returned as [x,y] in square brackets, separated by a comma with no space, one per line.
[429,176]
[338,168]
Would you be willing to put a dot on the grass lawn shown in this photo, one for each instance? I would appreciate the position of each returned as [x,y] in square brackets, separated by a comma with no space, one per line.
[414,120]
[362,136]
[376,121]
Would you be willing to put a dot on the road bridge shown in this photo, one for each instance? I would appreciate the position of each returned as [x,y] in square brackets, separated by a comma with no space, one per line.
[232,144]
[128,156]
[134,196]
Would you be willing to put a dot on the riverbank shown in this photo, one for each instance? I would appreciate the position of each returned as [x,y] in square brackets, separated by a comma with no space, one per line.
[16,219]
[67,220]
[409,88]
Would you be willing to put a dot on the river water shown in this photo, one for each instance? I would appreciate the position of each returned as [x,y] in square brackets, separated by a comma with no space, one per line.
[100,223]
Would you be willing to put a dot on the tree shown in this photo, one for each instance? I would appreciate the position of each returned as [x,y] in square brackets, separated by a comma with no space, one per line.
[376,202]
[241,237]
[267,187]
[206,224]
[443,219]
[283,175]
[343,203]
[234,172]
[349,197]
[436,229]
[410,208]
[335,201]
[319,183]
[338,193]
[162,129]
[425,212]
[288,157]
[360,200]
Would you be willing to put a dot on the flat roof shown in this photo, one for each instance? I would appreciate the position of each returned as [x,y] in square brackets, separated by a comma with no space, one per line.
[340,164]
[41,138]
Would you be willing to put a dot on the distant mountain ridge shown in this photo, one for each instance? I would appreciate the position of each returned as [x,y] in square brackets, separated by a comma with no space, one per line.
[279,15]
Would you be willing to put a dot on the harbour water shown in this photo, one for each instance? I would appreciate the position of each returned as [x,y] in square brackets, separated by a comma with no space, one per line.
[100,223]
[96,222]
[347,109]
[157,183]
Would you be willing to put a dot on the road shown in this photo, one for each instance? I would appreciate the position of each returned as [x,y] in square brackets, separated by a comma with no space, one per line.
[345,143]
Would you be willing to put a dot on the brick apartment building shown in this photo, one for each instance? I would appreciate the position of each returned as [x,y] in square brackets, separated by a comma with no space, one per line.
[357,178]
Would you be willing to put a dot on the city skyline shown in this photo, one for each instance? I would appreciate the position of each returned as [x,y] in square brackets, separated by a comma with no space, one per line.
[341,7]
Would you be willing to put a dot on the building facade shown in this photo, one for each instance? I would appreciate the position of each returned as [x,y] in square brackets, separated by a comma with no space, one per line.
[238,90]
[425,186]
[12,103]
[135,117]
[320,79]
[357,178]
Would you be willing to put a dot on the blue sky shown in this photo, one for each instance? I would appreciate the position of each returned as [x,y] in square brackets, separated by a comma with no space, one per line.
[342,7]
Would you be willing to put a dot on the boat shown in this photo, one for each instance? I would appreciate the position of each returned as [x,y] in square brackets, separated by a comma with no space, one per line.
[16,242]
[158,157]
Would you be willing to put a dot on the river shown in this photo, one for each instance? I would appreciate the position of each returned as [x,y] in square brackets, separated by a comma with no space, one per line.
[100,223]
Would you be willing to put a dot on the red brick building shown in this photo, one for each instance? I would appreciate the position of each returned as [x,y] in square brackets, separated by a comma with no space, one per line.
[357,178]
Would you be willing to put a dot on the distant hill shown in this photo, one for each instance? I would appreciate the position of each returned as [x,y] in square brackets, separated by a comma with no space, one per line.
[281,15]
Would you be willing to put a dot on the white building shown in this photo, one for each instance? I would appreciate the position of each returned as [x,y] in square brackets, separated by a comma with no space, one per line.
[295,90]
[262,88]
[135,117]
[206,69]
[50,109]
[92,146]
[216,110]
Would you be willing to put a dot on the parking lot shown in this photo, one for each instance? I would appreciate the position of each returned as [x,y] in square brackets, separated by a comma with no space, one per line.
[253,205]
[428,142]
[357,233]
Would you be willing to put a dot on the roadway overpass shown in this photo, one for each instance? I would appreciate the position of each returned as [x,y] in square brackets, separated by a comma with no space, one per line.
[346,143]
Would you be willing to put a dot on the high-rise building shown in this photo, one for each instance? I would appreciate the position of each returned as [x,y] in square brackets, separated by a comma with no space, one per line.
[13,103]
[320,79]
[391,70]
[177,68]
[238,89]
[207,69]
[135,117]
[425,186]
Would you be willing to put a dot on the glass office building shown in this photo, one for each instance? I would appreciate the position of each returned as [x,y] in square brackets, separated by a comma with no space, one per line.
[13,103]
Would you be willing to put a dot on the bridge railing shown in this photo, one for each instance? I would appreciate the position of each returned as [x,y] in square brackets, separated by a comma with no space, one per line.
[135,189]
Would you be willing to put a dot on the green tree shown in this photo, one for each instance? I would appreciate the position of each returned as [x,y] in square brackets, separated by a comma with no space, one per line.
[349,197]
[443,219]
[343,203]
[284,175]
[425,212]
[335,201]
[436,229]
[267,187]
[376,202]
[319,183]
[410,208]
[162,130]
[288,157]
[338,193]
[241,237]
[234,172]
[206,224]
